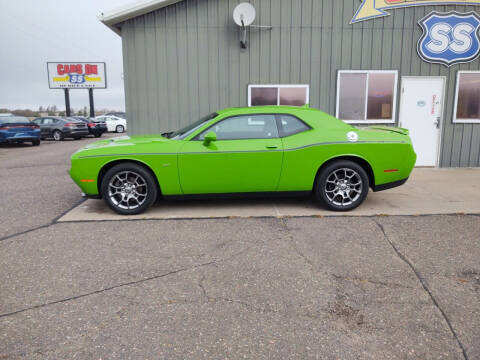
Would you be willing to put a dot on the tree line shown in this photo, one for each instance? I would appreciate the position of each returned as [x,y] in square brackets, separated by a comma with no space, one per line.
[52,111]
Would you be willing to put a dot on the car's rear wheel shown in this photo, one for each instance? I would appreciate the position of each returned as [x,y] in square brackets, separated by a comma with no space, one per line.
[58,135]
[119,129]
[97,135]
[342,185]
[36,142]
[129,189]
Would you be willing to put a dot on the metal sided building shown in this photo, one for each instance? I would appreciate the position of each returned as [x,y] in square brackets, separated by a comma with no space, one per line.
[407,63]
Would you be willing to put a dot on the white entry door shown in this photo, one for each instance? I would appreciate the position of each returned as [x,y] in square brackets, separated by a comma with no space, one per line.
[421,108]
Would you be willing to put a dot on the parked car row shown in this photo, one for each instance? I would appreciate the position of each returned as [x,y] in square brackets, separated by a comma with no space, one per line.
[18,129]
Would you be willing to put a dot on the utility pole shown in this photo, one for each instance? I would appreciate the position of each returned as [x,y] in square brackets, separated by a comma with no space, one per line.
[92,107]
[67,103]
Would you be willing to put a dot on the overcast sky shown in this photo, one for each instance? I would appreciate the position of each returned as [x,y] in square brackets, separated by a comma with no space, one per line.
[33,32]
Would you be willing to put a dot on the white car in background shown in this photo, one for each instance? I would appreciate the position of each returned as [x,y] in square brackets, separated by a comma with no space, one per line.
[114,123]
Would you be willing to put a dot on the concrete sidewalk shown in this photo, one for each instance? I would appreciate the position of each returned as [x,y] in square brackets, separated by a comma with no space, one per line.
[428,191]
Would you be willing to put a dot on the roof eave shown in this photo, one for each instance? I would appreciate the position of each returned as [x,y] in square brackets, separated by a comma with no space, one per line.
[117,16]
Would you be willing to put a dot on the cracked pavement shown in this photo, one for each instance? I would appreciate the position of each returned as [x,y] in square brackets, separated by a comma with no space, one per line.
[265,288]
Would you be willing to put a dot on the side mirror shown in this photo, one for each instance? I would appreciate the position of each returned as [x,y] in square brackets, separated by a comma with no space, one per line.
[209,137]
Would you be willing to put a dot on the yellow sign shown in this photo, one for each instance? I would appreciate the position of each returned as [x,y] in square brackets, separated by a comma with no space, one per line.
[371,9]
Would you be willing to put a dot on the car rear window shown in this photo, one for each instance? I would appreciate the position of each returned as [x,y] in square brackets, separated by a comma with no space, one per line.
[290,125]
[13,119]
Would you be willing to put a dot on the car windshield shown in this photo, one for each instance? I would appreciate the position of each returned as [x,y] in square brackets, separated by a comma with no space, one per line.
[187,130]
[13,119]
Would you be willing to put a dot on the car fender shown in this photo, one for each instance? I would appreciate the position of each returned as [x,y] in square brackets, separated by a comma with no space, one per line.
[109,164]
[349,156]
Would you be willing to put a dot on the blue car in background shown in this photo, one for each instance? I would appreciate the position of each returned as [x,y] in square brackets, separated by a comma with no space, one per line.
[18,129]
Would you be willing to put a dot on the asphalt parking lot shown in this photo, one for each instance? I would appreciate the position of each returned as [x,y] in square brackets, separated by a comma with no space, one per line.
[381,287]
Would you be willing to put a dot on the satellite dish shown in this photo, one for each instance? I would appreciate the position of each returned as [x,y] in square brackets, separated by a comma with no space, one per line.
[244,14]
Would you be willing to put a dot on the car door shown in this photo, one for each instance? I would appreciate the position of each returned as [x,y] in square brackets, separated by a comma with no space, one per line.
[110,122]
[39,122]
[246,157]
[47,126]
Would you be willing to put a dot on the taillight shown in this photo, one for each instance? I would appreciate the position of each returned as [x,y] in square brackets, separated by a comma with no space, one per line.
[69,124]
[8,127]
[91,125]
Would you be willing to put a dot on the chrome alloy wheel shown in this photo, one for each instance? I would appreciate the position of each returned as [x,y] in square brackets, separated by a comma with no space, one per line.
[343,186]
[127,190]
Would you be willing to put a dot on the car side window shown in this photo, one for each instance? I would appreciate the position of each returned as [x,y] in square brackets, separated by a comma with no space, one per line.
[290,125]
[244,127]
[48,121]
[38,121]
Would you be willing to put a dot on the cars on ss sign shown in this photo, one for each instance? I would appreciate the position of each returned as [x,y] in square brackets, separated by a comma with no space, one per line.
[114,123]
[60,128]
[247,150]
[18,129]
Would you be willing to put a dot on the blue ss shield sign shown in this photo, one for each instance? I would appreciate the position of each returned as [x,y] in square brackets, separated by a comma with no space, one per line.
[449,38]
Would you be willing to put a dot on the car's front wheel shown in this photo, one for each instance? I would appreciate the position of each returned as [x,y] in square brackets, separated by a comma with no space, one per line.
[36,142]
[119,129]
[129,189]
[342,185]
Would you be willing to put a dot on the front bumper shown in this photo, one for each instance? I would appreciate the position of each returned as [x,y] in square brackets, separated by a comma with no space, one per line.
[86,196]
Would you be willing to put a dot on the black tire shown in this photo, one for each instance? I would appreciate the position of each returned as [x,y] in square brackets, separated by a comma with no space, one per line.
[342,185]
[97,135]
[119,129]
[36,142]
[142,199]
[77,138]
[57,135]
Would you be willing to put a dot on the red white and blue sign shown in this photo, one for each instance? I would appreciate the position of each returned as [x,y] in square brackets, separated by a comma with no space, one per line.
[449,38]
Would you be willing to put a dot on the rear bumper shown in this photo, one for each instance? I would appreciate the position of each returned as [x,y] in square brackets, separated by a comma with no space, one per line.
[96,131]
[15,139]
[389,185]
[8,136]
[75,132]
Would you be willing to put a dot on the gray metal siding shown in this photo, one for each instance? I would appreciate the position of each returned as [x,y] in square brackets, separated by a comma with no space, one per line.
[184,61]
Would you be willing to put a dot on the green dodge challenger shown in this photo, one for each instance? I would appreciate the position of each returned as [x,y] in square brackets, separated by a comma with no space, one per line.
[268,149]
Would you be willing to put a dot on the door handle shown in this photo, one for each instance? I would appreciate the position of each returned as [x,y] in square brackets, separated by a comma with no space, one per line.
[272,147]
[437,122]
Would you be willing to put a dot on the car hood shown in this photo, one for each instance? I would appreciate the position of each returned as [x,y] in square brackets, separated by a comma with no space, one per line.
[128,141]
[129,145]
